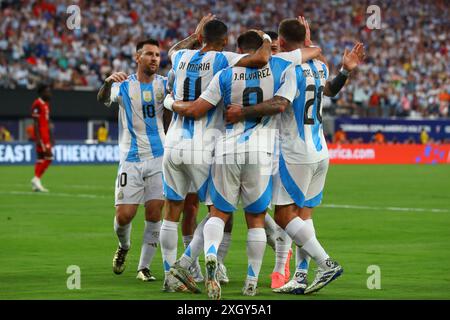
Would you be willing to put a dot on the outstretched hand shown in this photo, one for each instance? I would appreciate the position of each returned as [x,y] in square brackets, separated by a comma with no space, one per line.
[116,77]
[304,22]
[354,58]
[202,23]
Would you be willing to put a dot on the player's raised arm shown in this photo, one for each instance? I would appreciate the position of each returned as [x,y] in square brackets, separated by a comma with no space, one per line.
[350,61]
[295,42]
[311,51]
[260,57]
[104,94]
[191,41]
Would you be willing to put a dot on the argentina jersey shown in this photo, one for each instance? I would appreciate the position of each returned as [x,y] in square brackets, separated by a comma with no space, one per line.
[141,129]
[301,134]
[194,70]
[247,87]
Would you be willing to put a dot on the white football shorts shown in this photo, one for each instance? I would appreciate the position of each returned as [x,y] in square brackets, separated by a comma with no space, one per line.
[244,175]
[183,175]
[301,184]
[139,182]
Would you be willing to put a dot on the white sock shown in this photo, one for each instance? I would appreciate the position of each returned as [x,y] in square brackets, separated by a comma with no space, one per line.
[190,255]
[224,246]
[169,240]
[283,245]
[303,234]
[271,231]
[302,259]
[149,243]
[256,244]
[213,234]
[123,233]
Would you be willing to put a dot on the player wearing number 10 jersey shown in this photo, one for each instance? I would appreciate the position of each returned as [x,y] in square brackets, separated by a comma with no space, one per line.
[141,142]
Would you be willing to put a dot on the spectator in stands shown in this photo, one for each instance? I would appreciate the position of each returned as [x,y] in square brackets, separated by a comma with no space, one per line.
[379,138]
[424,138]
[5,135]
[360,99]
[102,134]
[444,100]
[374,105]
[408,57]
[340,137]
[31,135]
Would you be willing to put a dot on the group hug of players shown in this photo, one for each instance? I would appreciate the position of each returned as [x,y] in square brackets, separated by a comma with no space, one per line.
[225,128]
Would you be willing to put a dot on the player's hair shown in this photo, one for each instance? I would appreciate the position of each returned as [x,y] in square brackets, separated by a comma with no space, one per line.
[42,87]
[142,43]
[249,40]
[272,34]
[292,30]
[214,32]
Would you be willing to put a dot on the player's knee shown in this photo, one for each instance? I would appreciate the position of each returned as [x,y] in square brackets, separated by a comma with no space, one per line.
[124,215]
[153,210]
[153,216]
[305,213]
[173,210]
[123,219]
[280,220]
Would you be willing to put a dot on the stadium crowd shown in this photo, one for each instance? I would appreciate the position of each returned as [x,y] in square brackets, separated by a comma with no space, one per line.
[406,73]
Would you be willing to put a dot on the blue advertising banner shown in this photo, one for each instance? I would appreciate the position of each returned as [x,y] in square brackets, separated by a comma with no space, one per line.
[401,130]
[63,153]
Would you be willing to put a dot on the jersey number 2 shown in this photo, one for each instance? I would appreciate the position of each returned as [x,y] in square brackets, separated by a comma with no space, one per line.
[316,97]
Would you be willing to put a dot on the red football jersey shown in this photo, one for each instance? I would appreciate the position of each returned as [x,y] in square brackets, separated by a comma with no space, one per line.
[40,110]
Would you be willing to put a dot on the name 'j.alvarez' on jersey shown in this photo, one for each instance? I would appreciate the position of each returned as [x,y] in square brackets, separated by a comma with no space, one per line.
[247,87]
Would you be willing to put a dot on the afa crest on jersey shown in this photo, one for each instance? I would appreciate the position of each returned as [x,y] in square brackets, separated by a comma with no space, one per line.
[147,96]
[159,95]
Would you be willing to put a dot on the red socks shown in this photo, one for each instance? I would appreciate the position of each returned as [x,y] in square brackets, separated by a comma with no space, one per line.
[40,167]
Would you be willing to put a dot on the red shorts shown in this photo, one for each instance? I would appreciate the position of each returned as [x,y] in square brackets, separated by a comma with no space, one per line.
[41,154]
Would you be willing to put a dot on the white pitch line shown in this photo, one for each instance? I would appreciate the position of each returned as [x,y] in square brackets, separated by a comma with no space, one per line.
[346,206]
[52,194]
[331,206]
[71,186]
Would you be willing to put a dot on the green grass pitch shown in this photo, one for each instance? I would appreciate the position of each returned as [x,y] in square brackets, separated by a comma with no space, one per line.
[42,234]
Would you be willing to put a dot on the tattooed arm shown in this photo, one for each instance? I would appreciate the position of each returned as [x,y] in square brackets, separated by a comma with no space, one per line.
[236,113]
[191,41]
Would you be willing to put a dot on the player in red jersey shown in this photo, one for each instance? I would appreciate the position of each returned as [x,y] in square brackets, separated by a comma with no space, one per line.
[40,111]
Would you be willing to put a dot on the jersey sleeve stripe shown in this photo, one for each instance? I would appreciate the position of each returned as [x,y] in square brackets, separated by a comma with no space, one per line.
[299,102]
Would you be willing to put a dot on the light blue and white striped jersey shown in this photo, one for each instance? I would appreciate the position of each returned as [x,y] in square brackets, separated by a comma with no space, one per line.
[141,107]
[247,87]
[301,135]
[194,70]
